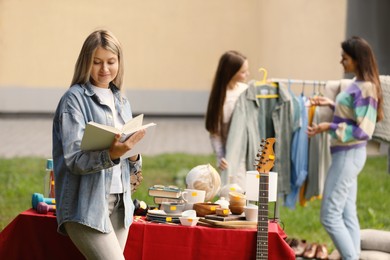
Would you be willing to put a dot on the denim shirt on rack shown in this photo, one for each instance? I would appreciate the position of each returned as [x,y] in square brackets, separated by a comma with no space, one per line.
[244,134]
[83,178]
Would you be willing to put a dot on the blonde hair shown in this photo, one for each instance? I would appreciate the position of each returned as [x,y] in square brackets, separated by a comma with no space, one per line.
[99,38]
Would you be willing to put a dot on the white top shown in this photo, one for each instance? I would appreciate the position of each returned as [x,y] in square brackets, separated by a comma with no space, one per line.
[231,99]
[107,97]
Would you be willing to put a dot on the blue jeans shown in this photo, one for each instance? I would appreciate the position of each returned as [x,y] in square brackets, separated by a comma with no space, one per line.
[338,209]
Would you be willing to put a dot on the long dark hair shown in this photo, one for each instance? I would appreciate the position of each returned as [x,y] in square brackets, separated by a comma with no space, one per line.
[229,64]
[367,69]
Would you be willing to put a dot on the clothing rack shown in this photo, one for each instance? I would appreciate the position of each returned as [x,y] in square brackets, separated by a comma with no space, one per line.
[298,81]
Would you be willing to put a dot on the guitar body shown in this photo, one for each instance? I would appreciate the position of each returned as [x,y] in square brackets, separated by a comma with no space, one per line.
[266,159]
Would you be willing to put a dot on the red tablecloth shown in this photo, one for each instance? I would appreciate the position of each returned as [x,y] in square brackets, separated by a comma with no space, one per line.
[34,236]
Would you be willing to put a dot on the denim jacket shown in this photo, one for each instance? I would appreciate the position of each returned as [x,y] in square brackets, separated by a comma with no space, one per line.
[83,178]
[245,134]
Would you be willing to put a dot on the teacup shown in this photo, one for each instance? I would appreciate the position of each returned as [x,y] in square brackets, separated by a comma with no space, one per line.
[251,212]
[192,196]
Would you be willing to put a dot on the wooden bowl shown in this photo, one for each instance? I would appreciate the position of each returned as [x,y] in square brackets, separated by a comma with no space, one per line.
[236,210]
[236,196]
[203,209]
[237,203]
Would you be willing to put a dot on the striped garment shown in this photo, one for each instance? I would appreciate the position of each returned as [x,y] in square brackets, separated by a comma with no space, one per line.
[354,117]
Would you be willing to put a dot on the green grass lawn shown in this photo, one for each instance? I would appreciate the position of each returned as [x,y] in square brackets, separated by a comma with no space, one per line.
[21,177]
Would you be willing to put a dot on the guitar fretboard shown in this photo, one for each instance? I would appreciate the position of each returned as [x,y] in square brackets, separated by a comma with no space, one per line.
[262,218]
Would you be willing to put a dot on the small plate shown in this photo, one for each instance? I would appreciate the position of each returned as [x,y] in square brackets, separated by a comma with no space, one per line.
[162,213]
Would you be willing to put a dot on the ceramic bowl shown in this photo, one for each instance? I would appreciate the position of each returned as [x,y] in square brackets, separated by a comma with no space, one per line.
[188,221]
[203,209]
[172,207]
[189,213]
[251,212]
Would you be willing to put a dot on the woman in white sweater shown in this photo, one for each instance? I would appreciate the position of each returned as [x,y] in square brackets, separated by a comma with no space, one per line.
[228,84]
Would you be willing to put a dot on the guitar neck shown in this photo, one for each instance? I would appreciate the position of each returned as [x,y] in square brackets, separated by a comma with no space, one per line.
[265,163]
[262,219]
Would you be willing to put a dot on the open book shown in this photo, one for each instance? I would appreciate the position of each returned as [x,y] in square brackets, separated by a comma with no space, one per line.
[99,137]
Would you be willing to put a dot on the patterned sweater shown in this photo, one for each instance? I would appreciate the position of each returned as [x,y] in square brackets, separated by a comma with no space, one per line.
[354,117]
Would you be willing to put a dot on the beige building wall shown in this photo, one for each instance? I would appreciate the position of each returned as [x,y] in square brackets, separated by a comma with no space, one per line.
[171,47]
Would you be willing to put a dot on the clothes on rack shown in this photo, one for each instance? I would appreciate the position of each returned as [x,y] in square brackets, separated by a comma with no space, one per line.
[381,132]
[253,119]
[263,111]
[308,159]
[299,155]
[318,163]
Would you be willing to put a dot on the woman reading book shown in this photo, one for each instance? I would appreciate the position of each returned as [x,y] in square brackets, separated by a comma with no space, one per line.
[93,188]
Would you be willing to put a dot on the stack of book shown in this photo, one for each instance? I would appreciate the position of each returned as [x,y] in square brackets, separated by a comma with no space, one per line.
[161,193]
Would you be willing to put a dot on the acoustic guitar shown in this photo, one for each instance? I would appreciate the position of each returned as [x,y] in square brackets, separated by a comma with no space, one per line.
[265,162]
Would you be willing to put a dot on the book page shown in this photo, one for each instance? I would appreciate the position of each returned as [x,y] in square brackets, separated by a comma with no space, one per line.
[127,135]
[97,137]
[142,146]
[104,127]
[133,124]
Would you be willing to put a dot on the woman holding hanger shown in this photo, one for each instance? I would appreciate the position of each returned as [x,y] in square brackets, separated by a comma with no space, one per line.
[232,72]
[356,111]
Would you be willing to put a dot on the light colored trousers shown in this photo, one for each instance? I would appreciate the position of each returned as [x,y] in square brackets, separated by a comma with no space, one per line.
[94,244]
[338,209]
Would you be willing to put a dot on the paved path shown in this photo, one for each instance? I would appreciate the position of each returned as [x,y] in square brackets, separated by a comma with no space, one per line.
[31,136]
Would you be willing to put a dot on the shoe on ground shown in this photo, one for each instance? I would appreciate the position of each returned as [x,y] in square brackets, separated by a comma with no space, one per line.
[322,252]
[310,251]
[335,255]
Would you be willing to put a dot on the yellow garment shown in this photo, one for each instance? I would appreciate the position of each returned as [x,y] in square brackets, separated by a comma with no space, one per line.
[302,199]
